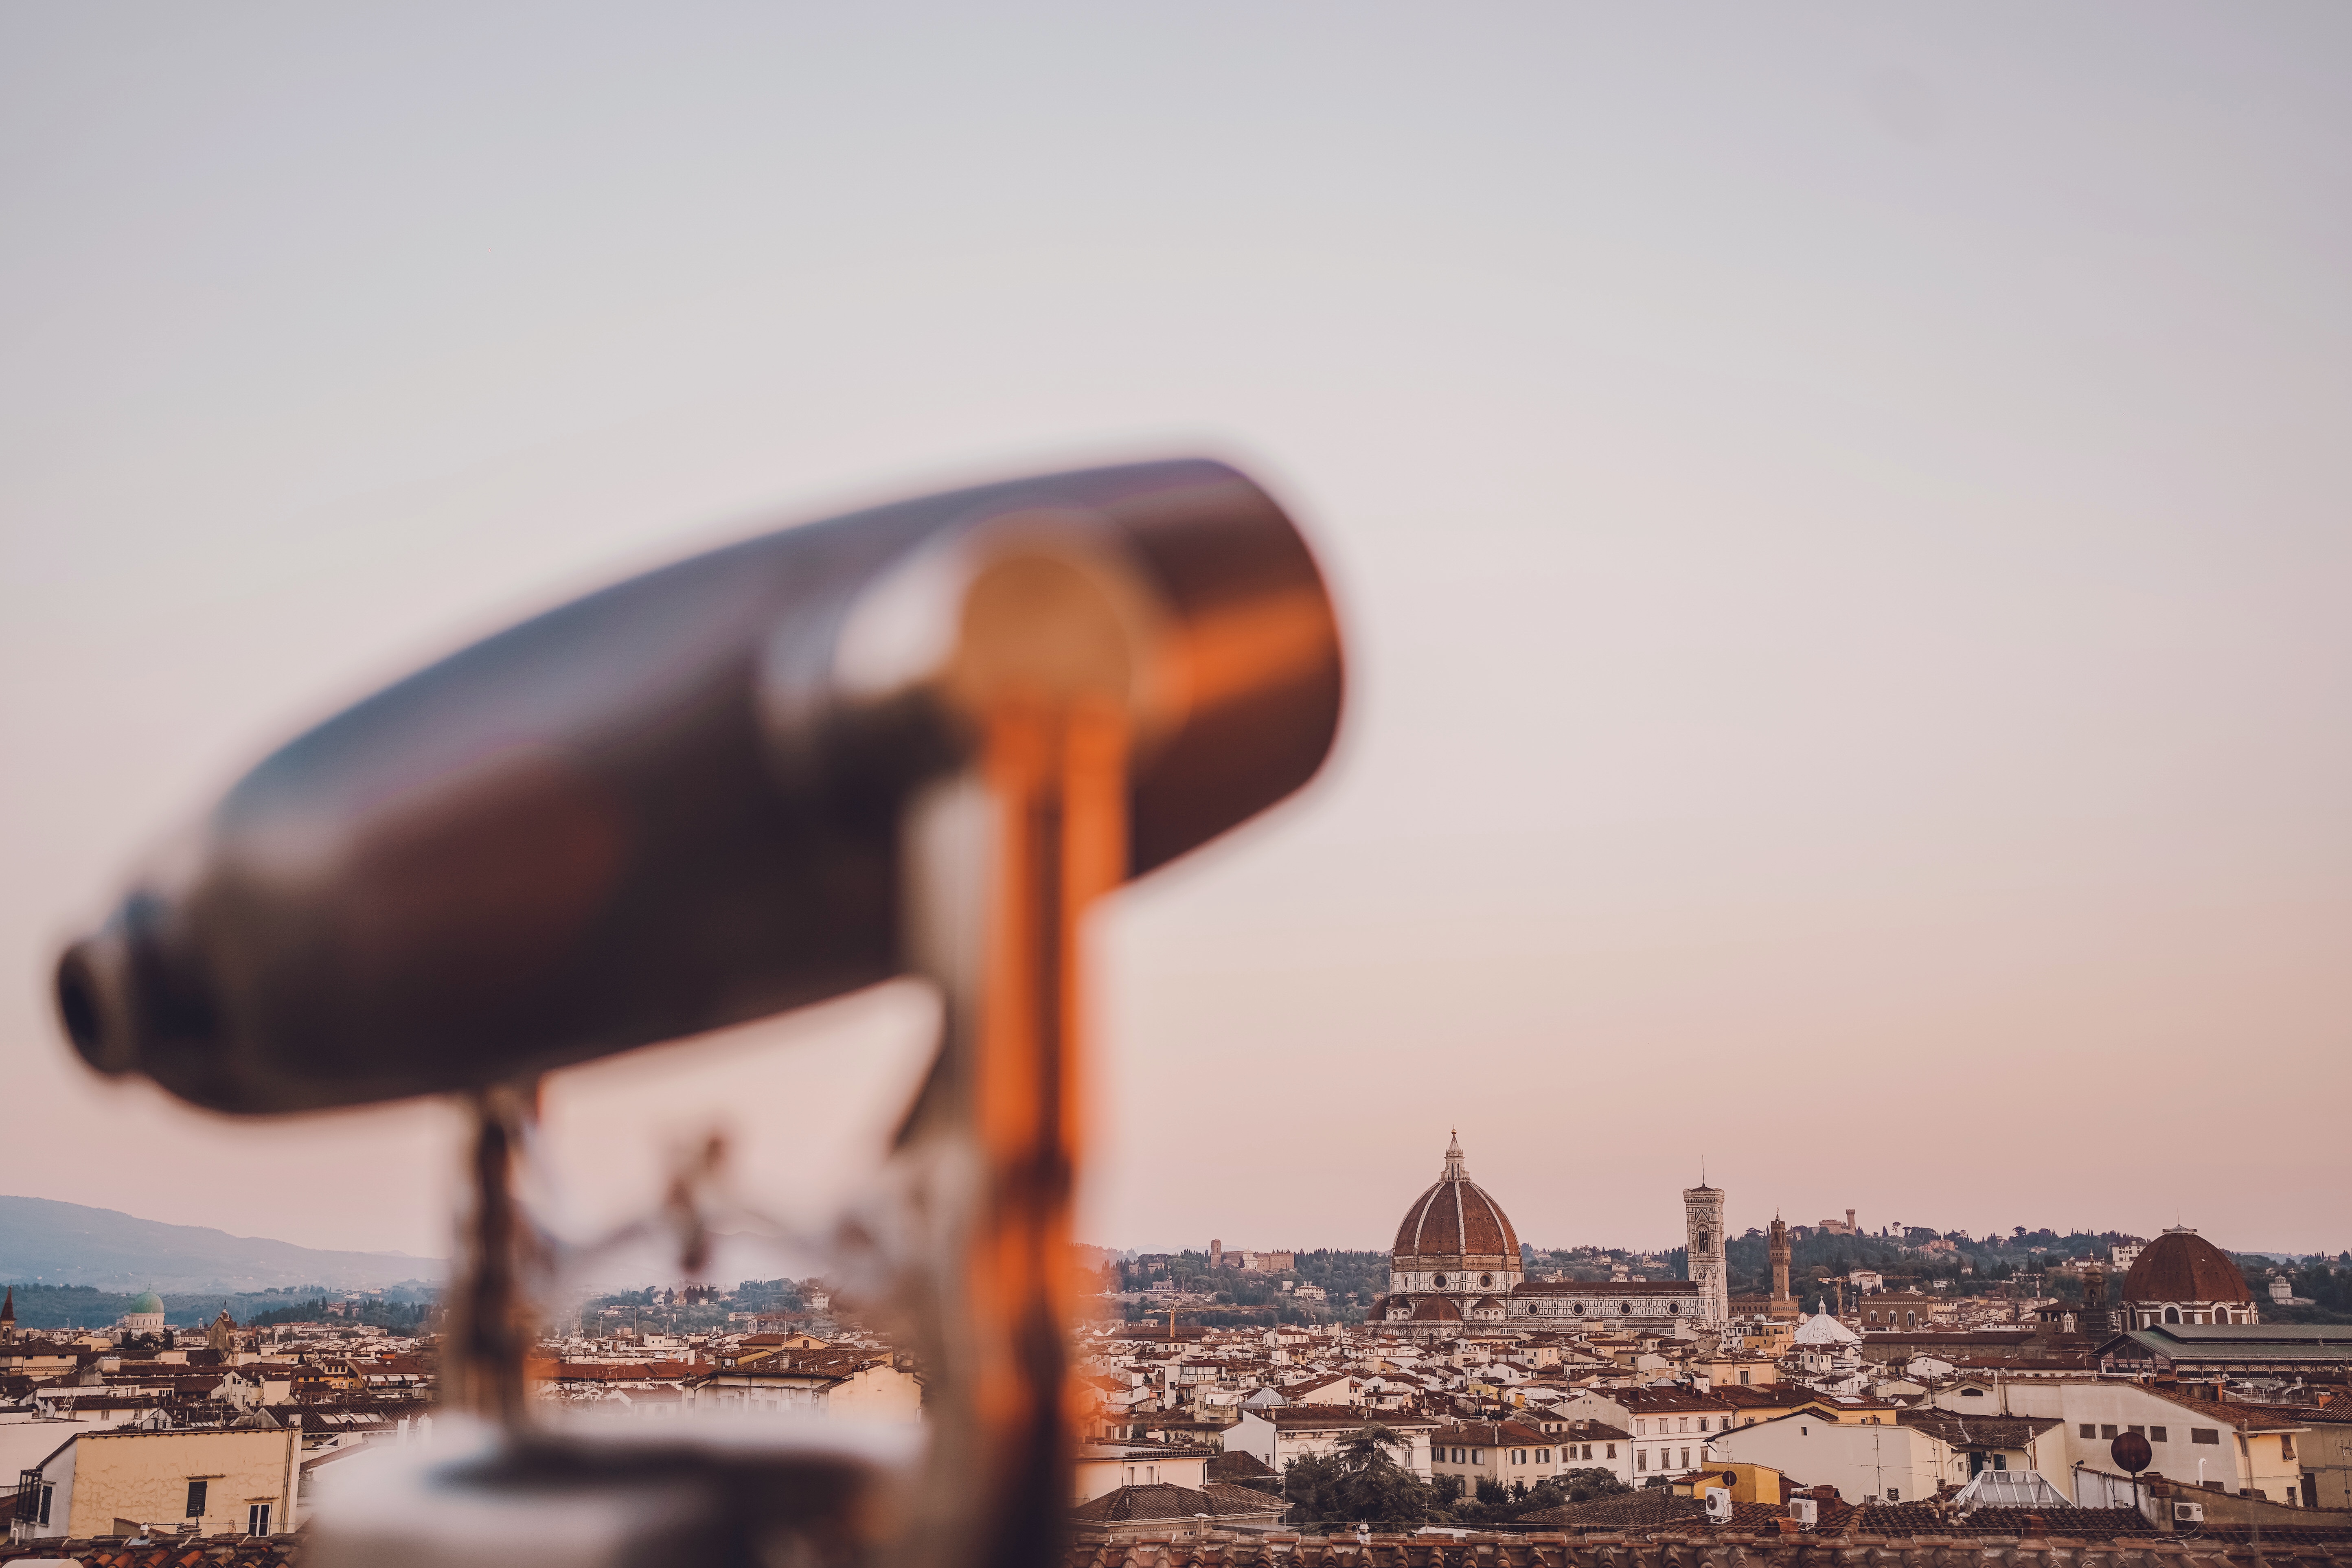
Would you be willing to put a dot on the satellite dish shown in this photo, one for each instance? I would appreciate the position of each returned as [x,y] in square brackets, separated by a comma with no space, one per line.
[2131,1453]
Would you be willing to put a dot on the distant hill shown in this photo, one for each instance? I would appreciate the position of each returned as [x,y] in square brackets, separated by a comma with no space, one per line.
[68,1244]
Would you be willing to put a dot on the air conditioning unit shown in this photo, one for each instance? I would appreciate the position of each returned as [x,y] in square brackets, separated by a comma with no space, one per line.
[1718,1505]
[2189,1513]
[1805,1512]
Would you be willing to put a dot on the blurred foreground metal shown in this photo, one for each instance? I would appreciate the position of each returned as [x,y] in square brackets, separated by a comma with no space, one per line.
[917,740]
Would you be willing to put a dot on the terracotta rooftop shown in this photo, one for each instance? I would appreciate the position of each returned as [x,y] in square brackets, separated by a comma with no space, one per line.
[1242,1469]
[210,1550]
[1662,1549]
[1650,1509]
[1978,1431]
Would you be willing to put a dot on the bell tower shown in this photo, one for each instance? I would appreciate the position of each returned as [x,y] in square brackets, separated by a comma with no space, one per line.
[1783,1305]
[1703,1222]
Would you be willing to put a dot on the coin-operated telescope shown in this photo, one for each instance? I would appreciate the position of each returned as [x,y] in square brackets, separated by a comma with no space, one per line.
[915,740]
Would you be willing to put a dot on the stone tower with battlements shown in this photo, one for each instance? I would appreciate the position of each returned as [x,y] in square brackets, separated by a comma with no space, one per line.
[1783,1304]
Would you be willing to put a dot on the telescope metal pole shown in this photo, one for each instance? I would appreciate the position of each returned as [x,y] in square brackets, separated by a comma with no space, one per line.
[1004,865]
[486,1337]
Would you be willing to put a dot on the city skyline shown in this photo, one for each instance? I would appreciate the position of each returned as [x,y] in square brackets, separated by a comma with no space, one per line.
[1270,1236]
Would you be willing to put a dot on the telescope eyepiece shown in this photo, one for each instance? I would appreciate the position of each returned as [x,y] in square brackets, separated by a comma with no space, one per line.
[78,1007]
[127,1004]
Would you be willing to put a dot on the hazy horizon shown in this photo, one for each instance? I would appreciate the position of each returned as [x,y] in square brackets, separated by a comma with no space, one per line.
[1839,515]
[1201,1246]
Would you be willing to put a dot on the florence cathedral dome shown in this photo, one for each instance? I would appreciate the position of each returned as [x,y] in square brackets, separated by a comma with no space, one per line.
[1456,1239]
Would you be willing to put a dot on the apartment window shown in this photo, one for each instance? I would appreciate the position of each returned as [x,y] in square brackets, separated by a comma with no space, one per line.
[1641,1427]
[1702,1423]
[257,1518]
[48,1494]
[2086,1429]
[1743,1375]
[1543,1456]
[2156,1434]
[196,1499]
[1685,1425]
[2137,1431]
[1612,1451]
[1685,1459]
[1641,1459]
[1477,1456]
[2109,1430]
[2204,1434]
[1895,1494]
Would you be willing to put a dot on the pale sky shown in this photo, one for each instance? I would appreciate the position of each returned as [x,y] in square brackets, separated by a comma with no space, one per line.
[1840,514]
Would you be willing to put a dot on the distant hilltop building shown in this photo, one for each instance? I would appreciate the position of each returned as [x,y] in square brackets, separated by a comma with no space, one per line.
[1456,1269]
[1252,1262]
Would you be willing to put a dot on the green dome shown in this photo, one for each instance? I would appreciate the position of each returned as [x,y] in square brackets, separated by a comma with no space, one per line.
[146,1301]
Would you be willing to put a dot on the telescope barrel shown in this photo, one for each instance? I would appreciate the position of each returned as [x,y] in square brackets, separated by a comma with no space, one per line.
[675,805]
